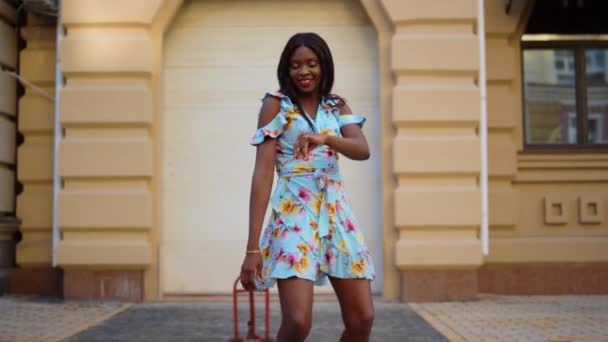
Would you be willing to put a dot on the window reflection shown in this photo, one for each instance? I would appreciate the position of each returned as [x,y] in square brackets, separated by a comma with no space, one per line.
[550,96]
[597,96]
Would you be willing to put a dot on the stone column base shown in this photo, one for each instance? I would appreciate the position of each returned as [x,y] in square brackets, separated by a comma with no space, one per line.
[42,281]
[438,285]
[123,285]
[544,279]
[8,228]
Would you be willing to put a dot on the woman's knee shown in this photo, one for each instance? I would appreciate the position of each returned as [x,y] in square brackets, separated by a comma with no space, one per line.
[298,322]
[360,320]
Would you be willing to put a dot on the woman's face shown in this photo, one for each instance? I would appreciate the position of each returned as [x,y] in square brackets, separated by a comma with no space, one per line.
[305,70]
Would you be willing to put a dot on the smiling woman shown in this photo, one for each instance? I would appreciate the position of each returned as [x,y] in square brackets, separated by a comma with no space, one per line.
[305,69]
[306,64]
[305,156]
[211,99]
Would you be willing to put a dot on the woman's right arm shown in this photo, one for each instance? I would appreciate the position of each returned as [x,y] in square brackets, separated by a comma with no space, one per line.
[261,185]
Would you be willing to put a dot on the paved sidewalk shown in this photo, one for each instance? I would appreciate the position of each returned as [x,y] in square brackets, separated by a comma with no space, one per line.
[491,318]
[213,322]
[521,318]
[35,319]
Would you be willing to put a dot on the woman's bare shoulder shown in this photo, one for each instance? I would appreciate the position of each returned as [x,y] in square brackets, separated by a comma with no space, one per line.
[341,103]
[271,107]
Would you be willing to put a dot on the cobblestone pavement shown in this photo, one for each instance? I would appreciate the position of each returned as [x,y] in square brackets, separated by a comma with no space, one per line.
[521,318]
[213,322]
[491,318]
[35,319]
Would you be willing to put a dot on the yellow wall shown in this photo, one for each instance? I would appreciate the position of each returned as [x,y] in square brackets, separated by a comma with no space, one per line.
[436,157]
[35,156]
[503,111]
[526,188]
[385,30]
[8,110]
[111,59]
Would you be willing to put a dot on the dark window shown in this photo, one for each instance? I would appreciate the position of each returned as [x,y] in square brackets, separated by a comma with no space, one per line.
[565,74]
[568,17]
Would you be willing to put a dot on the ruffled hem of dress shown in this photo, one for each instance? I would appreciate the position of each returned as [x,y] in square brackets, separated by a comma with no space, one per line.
[275,127]
[321,279]
[347,119]
[272,130]
[271,280]
[345,263]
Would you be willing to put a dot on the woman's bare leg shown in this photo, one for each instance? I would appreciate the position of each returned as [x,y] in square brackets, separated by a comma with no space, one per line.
[296,309]
[355,297]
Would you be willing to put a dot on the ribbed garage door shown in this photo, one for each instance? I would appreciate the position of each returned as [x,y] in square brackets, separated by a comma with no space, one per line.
[220,58]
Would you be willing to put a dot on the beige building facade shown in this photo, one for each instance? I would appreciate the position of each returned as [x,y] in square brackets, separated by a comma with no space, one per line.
[151,91]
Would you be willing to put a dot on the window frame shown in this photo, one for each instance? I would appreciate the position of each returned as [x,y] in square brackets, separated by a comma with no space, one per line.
[579,44]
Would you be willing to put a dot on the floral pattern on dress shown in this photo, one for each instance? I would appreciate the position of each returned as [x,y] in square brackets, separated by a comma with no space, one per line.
[312,232]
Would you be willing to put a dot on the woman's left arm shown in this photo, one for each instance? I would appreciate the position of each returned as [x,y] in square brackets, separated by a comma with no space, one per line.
[352,144]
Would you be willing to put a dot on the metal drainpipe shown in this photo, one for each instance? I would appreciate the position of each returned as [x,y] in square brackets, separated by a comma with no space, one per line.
[58,132]
[483,128]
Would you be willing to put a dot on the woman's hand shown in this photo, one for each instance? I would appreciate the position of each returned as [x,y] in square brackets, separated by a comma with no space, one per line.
[307,142]
[250,270]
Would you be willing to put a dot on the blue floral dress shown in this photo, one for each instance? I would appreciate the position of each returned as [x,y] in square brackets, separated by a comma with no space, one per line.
[312,232]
